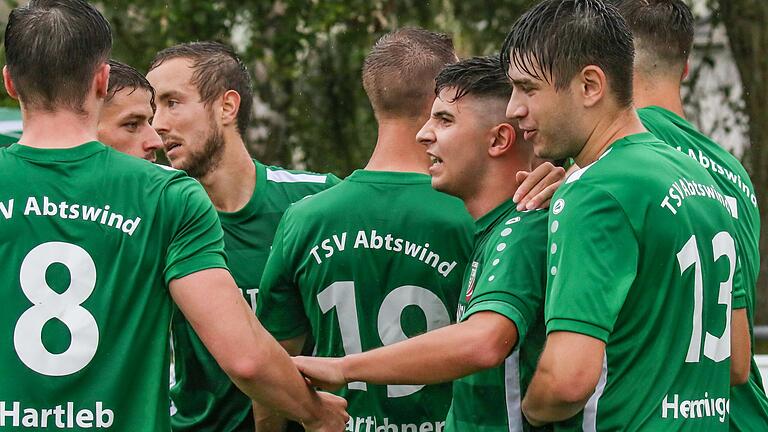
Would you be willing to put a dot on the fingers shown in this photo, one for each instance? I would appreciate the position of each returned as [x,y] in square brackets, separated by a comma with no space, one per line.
[538,186]
[323,373]
[543,198]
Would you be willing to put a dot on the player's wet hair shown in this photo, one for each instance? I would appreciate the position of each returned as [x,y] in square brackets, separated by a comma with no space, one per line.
[399,71]
[477,76]
[52,50]
[126,77]
[662,31]
[217,69]
[556,39]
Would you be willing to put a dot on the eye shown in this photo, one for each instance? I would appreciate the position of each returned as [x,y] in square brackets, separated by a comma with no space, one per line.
[172,103]
[131,126]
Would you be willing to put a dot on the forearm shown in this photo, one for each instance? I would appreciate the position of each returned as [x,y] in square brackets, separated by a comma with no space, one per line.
[275,383]
[438,356]
[254,360]
[266,419]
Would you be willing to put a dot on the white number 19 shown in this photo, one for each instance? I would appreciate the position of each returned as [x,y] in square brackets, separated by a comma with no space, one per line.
[341,295]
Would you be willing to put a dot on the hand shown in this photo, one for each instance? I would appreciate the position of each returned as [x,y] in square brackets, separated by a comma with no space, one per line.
[322,372]
[538,186]
[334,417]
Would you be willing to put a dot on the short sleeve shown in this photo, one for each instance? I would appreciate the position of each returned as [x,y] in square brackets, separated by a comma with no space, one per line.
[739,300]
[593,262]
[279,305]
[512,281]
[197,241]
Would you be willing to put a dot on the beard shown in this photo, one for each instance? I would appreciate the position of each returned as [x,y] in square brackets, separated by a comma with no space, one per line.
[208,158]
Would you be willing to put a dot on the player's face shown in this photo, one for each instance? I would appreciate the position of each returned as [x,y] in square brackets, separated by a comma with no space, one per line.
[125,124]
[192,139]
[454,137]
[547,117]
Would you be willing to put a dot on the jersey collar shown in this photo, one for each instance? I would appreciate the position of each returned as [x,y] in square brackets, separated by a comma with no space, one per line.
[490,219]
[82,151]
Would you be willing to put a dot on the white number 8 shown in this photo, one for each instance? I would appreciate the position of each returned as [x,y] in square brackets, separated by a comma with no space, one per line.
[48,305]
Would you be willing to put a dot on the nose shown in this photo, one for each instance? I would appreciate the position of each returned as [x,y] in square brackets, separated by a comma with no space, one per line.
[160,121]
[515,108]
[426,135]
[151,140]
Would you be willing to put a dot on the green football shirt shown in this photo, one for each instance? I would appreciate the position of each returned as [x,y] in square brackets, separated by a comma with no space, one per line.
[749,403]
[643,257]
[373,261]
[204,398]
[506,275]
[92,237]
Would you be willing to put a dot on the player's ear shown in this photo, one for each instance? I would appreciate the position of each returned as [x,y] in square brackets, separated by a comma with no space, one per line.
[686,70]
[591,84]
[230,106]
[9,87]
[101,80]
[502,139]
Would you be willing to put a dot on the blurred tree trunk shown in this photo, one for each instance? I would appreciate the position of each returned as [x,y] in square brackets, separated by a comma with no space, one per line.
[746,22]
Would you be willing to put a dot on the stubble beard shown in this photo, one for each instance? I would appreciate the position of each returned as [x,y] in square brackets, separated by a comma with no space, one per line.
[207,160]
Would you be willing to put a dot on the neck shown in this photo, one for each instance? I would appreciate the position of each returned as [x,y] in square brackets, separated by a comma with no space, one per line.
[57,129]
[231,183]
[496,186]
[610,127]
[396,147]
[664,93]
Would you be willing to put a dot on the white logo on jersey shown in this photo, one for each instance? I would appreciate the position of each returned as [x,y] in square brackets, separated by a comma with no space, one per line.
[558,207]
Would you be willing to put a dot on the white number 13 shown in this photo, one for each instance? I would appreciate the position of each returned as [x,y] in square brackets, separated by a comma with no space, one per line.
[715,348]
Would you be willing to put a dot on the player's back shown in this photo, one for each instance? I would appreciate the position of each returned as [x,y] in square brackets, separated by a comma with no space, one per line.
[659,292]
[90,240]
[375,259]
[750,404]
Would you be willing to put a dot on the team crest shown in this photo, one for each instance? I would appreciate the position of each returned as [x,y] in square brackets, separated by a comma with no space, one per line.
[558,207]
[471,284]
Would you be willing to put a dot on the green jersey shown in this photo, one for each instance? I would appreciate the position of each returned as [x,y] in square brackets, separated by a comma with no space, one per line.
[643,258]
[371,262]
[749,403]
[92,237]
[204,398]
[506,275]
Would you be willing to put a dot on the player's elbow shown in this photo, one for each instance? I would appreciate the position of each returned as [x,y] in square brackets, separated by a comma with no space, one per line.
[739,372]
[488,355]
[573,389]
[242,369]
[491,348]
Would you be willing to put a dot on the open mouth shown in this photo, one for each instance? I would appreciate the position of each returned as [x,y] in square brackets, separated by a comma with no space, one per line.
[171,146]
[435,160]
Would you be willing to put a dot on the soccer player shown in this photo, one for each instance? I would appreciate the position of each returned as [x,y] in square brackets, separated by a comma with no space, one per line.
[379,257]
[663,38]
[96,243]
[204,101]
[125,121]
[492,351]
[642,254]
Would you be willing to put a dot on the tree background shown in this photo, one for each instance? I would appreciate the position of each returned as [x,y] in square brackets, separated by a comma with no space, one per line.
[305,56]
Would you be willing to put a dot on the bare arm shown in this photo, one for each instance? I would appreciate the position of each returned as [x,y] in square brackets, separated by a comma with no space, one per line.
[255,362]
[481,342]
[565,378]
[741,347]
[266,419]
